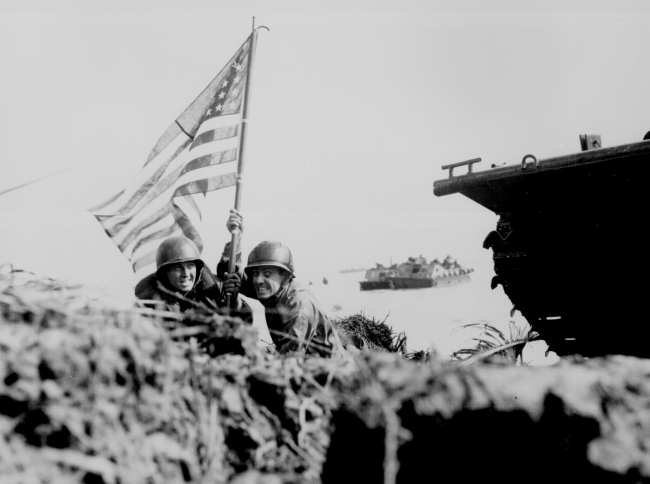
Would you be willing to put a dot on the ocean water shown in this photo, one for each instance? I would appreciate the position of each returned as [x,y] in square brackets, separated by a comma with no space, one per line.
[430,317]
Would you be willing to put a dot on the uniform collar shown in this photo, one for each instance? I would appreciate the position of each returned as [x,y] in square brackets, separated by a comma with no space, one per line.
[273,300]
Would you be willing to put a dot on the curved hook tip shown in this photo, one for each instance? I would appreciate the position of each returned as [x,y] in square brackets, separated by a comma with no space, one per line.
[263,27]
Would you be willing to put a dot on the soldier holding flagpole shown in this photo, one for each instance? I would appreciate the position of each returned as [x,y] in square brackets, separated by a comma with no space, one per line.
[155,221]
[182,283]
[296,322]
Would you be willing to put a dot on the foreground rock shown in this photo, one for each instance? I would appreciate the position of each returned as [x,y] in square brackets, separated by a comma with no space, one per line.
[90,394]
[578,421]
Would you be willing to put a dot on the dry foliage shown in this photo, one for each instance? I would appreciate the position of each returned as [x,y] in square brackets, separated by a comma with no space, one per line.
[366,332]
[493,345]
[94,394]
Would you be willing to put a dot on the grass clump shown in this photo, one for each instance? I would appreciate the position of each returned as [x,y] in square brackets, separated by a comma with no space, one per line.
[366,332]
[495,346]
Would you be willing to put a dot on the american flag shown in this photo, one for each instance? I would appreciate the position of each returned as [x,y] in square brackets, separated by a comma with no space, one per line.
[187,162]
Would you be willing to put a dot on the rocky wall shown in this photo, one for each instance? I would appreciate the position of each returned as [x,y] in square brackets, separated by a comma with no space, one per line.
[578,421]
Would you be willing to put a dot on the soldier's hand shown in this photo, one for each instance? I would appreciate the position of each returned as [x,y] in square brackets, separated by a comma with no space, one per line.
[231,284]
[235,222]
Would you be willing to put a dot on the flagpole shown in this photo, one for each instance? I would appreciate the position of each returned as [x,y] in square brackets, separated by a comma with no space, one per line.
[234,241]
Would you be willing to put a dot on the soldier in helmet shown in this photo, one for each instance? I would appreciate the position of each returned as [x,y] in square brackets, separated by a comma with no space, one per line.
[295,320]
[182,279]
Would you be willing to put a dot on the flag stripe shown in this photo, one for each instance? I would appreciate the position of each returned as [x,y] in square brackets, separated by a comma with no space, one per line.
[165,188]
[167,221]
[151,219]
[192,206]
[195,112]
[153,187]
[148,259]
[212,147]
[107,202]
[188,160]
[151,182]
[169,153]
[186,226]
[210,160]
[215,135]
[216,183]
[158,234]
[191,118]
[217,122]
[212,184]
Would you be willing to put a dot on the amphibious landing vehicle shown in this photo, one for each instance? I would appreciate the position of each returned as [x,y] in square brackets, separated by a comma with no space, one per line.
[570,247]
[416,273]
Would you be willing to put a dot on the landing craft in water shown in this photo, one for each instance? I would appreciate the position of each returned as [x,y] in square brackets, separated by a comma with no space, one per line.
[345,271]
[416,273]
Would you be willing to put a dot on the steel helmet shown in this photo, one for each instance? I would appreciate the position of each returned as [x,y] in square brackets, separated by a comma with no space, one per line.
[271,254]
[178,249]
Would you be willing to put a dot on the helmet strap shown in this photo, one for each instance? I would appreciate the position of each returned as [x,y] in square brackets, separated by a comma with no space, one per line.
[286,277]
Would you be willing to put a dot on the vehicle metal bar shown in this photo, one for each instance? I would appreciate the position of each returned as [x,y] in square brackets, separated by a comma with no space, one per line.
[479,179]
[469,164]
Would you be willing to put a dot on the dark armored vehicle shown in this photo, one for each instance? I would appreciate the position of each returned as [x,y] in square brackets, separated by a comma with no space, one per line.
[570,247]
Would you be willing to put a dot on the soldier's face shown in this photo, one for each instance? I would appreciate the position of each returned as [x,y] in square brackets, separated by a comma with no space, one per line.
[267,280]
[182,276]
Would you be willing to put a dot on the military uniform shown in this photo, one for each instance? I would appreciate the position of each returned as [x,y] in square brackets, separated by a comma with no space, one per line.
[297,324]
[293,315]
[206,292]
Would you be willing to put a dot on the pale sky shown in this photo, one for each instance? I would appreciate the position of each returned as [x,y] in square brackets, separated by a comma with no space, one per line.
[355,107]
